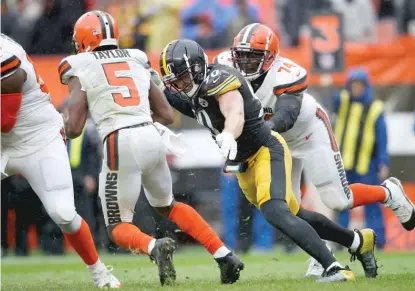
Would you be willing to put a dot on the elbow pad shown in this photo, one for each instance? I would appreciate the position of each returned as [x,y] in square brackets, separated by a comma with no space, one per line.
[10,105]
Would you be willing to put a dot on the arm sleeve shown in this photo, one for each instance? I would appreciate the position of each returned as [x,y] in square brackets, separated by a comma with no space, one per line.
[382,141]
[287,109]
[179,104]
[10,105]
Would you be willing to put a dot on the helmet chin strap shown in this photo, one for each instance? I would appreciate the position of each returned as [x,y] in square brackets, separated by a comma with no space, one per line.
[194,90]
[195,87]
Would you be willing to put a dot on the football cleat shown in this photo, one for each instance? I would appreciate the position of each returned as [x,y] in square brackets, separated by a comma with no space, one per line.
[337,274]
[366,252]
[103,277]
[400,204]
[230,267]
[315,269]
[162,255]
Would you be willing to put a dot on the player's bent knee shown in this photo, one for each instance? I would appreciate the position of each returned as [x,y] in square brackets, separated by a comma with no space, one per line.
[165,210]
[71,226]
[276,212]
[62,214]
[331,200]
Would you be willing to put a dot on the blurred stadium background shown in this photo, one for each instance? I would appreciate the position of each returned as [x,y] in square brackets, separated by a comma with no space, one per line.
[327,37]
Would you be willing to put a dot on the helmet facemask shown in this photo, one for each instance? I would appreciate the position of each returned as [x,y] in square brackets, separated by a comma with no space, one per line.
[75,47]
[252,63]
[188,81]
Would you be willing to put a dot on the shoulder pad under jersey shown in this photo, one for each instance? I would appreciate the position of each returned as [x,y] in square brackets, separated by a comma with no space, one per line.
[289,77]
[9,64]
[220,80]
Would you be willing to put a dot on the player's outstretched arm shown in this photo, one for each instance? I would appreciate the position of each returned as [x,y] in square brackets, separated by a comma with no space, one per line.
[232,107]
[11,99]
[287,109]
[78,109]
[162,111]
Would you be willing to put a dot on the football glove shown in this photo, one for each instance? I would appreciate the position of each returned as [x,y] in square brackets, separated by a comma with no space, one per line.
[173,142]
[227,144]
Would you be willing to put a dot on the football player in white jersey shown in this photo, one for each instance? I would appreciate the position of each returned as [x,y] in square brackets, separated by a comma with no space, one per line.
[281,86]
[114,86]
[32,144]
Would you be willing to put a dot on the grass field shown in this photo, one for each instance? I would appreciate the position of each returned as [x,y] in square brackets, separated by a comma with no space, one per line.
[196,270]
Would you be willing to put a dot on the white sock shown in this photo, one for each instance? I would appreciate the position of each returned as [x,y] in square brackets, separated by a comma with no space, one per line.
[151,246]
[335,264]
[221,252]
[93,267]
[356,242]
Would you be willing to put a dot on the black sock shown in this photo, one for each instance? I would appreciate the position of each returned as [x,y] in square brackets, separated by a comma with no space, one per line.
[276,212]
[327,229]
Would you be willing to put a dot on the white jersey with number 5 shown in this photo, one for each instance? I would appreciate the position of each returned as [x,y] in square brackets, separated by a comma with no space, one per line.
[38,123]
[116,83]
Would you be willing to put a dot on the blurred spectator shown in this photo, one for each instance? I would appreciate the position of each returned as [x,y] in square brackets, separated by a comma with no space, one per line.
[133,29]
[162,18]
[407,17]
[360,124]
[295,14]
[359,19]
[52,33]
[17,20]
[206,22]
[387,26]
[243,14]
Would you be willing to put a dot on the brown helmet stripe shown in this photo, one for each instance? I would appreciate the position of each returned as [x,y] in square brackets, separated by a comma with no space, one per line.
[103,28]
[112,35]
[249,31]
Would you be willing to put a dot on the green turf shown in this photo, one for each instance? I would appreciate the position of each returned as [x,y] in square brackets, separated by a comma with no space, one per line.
[197,271]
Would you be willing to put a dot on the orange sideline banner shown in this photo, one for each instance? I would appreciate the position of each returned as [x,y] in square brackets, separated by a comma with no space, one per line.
[389,64]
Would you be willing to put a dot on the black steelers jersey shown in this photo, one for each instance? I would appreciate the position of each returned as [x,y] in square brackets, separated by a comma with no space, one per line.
[205,108]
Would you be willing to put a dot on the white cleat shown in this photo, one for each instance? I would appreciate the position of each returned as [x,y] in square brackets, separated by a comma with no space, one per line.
[315,269]
[103,277]
[399,203]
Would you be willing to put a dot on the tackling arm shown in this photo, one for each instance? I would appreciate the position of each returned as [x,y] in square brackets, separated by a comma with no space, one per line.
[77,108]
[232,107]
[11,99]
[287,109]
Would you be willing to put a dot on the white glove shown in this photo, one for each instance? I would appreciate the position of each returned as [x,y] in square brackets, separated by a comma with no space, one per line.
[173,142]
[155,77]
[227,144]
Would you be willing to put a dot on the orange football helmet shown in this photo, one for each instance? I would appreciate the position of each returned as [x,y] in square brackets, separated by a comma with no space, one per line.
[254,50]
[95,29]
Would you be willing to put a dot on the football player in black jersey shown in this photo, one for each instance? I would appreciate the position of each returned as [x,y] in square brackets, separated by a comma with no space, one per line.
[220,99]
